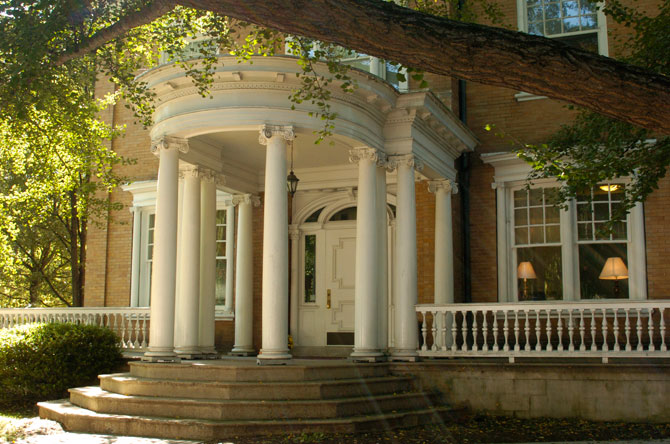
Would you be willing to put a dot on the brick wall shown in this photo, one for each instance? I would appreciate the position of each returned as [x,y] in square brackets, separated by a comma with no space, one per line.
[657,236]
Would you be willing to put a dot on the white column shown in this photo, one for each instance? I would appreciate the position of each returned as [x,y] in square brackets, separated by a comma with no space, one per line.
[444,242]
[244,315]
[406,325]
[136,257]
[382,254]
[366,306]
[207,304]
[161,332]
[230,252]
[294,234]
[504,292]
[188,297]
[274,349]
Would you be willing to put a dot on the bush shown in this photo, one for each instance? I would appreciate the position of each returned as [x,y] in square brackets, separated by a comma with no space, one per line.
[41,361]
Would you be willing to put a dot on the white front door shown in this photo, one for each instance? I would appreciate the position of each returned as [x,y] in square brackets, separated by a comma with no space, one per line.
[329,319]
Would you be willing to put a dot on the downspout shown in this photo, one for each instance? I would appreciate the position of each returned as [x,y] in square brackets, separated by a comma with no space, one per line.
[464,166]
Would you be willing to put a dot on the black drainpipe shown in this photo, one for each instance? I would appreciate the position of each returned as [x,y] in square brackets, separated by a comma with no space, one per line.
[464,165]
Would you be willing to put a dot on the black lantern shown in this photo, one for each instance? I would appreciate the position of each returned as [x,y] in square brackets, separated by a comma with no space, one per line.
[292,180]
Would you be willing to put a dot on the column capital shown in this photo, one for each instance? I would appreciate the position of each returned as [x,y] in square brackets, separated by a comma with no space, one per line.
[246,198]
[409,160]
[294,232]
[169,143]
[209,175]
[366,153]
[268,131]
[496,185]
[442,184]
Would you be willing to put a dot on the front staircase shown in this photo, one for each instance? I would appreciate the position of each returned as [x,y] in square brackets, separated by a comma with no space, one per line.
[211,400]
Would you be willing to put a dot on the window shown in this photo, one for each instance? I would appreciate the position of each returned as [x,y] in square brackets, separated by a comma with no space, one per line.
[559,254]
[537,243]
[310,268]
[578,23]
[348,213]
[221,256]
[148,224]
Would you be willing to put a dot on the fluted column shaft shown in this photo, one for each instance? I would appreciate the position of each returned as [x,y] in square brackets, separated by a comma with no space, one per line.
[163,279]
[366,306]
[406,326]
[275,247]
[244,279]
[188,297]
[207,306]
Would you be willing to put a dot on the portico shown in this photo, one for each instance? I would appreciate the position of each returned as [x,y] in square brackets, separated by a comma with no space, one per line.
[238,145]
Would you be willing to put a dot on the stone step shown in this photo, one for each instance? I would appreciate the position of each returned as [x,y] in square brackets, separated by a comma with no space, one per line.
[78,419]
[101,401]
[225,372]
[127,384]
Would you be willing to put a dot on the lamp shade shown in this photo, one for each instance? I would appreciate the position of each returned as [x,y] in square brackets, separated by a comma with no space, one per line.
[525,271]
[614,269]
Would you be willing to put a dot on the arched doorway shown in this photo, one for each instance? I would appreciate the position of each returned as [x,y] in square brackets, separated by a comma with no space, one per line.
[326,275]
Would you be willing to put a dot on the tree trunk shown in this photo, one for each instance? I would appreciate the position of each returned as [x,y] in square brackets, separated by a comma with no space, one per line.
[483,54]
[75,265]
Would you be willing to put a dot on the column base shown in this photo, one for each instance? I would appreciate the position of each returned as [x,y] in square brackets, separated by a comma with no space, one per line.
[189,353]
[160,356]
[242,351]
[367,356]
[209,353]
[405,356]
[273,357]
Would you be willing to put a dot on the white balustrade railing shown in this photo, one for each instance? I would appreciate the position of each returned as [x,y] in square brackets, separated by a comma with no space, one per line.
[130,324]
[601,329]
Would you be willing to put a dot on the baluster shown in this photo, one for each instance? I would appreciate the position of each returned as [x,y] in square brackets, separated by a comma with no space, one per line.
[505,332]
[144,330]
[582,331]
[475,346]
[571,326]
[496,331]
[650,329]
[516,331]
[617,347]
[664,346]
[485,331]
[124,339]
[443,330]
[538,331]
[464,330]
[133,325]
[526,331]
[639,330]
[424,330]
[559,330]
[604,328]
[433,330]
[453,331]
[550,346]
[627,330]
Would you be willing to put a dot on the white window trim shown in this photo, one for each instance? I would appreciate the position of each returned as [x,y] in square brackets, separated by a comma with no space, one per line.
[510,173]
[522,24]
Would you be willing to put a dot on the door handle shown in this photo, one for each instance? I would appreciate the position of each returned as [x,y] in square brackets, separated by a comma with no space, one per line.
[328,299]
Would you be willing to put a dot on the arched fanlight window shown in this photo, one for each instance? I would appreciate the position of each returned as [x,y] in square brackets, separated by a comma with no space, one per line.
[348,213]
[314,217]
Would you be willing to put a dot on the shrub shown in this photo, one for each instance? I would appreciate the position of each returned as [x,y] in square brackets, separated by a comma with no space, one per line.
[41,361]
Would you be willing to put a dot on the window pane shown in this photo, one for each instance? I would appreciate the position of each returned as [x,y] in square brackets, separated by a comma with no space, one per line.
[536,217]
[552,11]
[150,252]
[310,268]
[587,42]
[589,22]
[521,217]
[221,217]
[221,233]
[601,232]
[520,198]
[346,214]
[521,236]
[221,249]
[592,258]
[152,220]
[583,212]
[314,217]
[571,9]
[546,262]
[553,233]
[619,231]
[552,27]
[220,281]
[536,235]
[570,24]
[535,197]
[585,231]
[602,211]
[536,28]
[552,215]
